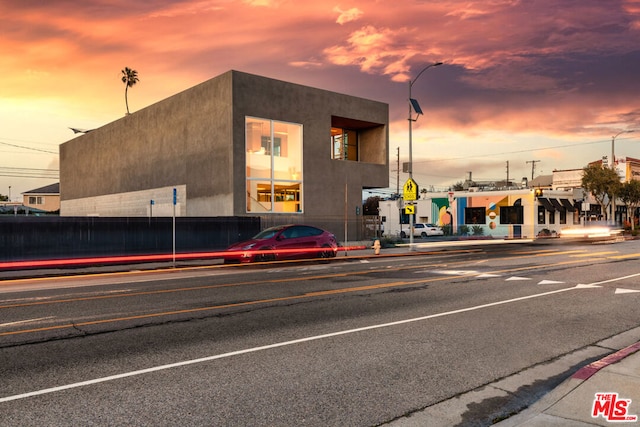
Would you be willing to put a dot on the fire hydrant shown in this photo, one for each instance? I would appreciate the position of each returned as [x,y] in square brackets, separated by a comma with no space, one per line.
[376,247]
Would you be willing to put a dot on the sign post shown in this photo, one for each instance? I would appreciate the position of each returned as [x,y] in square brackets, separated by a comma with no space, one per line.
[410,194]
[175,201]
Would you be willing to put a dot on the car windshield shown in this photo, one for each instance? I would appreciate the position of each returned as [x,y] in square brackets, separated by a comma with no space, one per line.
[267,234]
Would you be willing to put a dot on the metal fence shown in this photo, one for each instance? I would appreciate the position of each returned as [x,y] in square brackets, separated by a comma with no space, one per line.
[50,237]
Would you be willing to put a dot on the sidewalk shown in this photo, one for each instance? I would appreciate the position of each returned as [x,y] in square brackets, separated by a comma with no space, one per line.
[601,393]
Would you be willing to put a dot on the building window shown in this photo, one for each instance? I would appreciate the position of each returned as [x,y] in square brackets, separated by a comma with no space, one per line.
[541,214]
[344,144]
[273,165]
[474,216]
[358,140]
[563,216]
[36,200]
[511,215]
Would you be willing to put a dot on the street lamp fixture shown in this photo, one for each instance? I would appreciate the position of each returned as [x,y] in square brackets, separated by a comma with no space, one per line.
[414,106]
[613,167]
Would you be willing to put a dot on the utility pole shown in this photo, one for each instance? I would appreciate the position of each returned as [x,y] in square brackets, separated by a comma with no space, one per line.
[398,170]
[533,167]
[508,175]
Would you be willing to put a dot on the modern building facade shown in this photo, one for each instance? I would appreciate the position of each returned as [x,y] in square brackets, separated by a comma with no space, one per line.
[235,145]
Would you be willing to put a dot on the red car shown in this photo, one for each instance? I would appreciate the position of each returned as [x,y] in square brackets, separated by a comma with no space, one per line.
[284,242]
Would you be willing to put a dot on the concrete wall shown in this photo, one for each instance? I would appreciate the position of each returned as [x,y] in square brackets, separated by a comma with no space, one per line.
[184,140]
[132,203]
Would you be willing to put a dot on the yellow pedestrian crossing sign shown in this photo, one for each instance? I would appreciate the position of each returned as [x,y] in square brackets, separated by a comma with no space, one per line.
[410,209]
[410,190]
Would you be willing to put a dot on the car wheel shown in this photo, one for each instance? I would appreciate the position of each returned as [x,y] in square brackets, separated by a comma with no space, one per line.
[403,234]
[423,235]
[327,252]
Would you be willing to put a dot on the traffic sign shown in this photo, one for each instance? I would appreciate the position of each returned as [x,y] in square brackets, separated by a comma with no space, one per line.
[410,190]
[410,209]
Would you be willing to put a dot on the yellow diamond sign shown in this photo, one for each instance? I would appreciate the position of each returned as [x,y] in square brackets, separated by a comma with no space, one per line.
[410,190]
[410,209]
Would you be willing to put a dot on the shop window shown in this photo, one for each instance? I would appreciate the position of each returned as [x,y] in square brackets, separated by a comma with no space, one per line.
[474,216]
[542,213]
[511,215]
[563,216]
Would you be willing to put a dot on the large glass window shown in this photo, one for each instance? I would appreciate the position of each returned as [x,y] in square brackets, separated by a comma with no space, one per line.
[274,166]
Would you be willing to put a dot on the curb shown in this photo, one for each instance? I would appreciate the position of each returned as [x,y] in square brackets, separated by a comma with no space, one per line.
[592,368]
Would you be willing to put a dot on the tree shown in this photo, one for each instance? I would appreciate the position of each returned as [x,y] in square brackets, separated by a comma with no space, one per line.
[4,198]
[129,78]
[458,186]
[630,196]
[370,206]
[603,183]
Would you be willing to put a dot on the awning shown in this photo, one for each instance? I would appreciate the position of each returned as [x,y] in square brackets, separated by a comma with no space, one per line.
[567,204]
[556,204]
[546,203]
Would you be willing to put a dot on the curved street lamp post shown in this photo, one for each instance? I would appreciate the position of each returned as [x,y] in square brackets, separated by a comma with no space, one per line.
[414,106]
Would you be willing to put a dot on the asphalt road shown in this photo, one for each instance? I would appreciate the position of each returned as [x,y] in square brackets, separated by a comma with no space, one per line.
[343,343]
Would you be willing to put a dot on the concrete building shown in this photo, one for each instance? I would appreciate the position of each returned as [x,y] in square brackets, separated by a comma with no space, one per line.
[235,145]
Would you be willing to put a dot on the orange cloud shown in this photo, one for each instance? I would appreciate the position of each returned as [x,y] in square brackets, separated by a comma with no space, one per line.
[346,16]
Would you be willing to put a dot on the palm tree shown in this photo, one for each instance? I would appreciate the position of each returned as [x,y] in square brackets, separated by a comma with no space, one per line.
[129,78]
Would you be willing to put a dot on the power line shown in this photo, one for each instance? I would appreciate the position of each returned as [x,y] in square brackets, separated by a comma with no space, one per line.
[29,173]
[513,152]
[28,148]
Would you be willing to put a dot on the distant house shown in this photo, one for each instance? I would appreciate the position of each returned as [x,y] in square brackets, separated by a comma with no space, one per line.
[45,198]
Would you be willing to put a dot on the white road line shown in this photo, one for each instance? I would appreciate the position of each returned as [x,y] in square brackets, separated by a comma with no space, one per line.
[25,321]
[277,345]
[625,291]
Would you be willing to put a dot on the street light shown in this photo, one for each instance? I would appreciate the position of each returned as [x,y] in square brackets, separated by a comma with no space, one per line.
[414,106]
[613,167]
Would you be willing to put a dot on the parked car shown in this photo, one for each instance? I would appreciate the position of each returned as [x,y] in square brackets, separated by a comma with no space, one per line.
[284,242]
[424,230]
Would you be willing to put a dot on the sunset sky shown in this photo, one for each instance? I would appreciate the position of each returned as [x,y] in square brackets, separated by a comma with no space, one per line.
[522,80]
